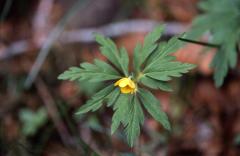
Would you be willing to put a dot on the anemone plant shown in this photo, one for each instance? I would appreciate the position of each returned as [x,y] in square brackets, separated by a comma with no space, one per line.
[128,91]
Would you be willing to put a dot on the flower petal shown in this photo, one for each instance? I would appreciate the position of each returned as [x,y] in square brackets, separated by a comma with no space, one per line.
[132,84]
[124,82]
[117,83]
[126,90]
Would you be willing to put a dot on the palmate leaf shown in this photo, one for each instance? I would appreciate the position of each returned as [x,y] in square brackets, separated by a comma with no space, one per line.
[164,49]
[159,63]
[136,55]
[226,57]
[152,105]
[109,50]
[220,64]
[171,69]
[97,72]
[170,47]
[128,111]
[141,53]
[96,101]
[112,97]
[135,120]
[122,109]
[225,31]
[160,66]
[155,84]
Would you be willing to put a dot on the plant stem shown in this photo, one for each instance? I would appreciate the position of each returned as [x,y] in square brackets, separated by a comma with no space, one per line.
[200,43]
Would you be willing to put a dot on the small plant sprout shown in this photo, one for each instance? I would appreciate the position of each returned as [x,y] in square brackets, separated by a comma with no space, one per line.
[127,92]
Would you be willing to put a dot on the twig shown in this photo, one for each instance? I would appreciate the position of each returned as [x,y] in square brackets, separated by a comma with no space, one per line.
[14,49]
[41,21]
[54,34]
[85,35]
[119,29]
[41,18]
[65,135]
[53,112]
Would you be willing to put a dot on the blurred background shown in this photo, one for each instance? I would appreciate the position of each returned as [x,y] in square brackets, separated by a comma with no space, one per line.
[42,38]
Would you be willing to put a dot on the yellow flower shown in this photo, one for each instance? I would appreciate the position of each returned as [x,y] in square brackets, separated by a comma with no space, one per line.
[126,85]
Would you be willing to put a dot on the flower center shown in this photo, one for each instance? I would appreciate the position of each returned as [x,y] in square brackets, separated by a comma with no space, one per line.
[126,85]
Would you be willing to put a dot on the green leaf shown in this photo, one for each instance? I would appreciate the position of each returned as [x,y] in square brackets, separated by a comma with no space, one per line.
[105,67]
[135,119]
[96,101]
[136,63]
[121,108]
[100,71]
[219,6]
[73,73]
[226,56]
[150,42]
[111,99]
[222,61]
[149,45]
[155,84]
[172,46]
[224,32]
[109,50]
[159,63]
[124,59]
[152,105]
[168,70]
[32,121]
[221,67]
[164,50]
[155,54]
